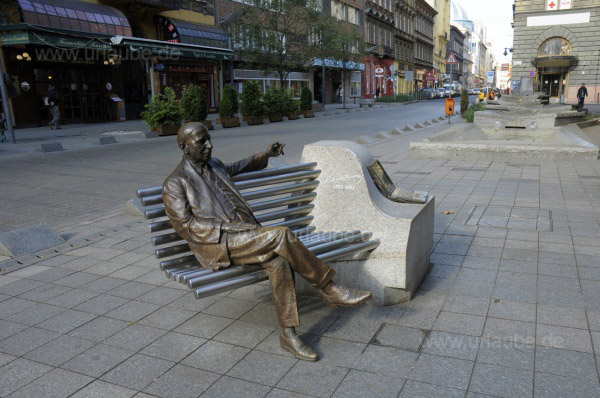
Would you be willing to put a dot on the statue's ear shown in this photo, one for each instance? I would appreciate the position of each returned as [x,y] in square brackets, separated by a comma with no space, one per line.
[182,146]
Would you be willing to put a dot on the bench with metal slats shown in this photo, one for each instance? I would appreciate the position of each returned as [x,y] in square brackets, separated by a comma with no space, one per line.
[279,196]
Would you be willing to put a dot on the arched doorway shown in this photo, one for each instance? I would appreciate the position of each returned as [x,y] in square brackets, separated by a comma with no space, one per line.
[553,63]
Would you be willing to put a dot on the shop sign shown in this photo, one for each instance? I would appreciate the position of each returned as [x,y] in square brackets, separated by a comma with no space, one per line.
[429,76]
[565,4]
[408,75]
[11,39]
[332,63]
[159,67]
[53,40]
[379,72]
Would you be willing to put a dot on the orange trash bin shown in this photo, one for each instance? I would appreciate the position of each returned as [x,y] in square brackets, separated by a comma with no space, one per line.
[449,106]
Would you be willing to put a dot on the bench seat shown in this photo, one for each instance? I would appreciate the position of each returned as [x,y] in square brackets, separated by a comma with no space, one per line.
[279,196]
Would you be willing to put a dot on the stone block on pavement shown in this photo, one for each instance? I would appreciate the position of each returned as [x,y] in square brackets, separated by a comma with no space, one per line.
[382,135]
[51,147]
[365,140]
[107,140]
[408,128]
[28,240]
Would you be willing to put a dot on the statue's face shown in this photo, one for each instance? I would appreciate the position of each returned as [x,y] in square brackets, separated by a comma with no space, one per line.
[198,146]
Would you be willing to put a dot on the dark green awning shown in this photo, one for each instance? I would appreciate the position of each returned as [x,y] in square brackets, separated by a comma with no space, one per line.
[157,47]
[54,40]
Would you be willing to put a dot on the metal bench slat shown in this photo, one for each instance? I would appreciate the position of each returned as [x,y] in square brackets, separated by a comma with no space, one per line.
[270,204]
[172,250]
[156,190]
[158,226]
[340,243]
[280,190]
[315,243]
[175,262]
[165,238]
[300,233]
[300,175]
[230,284]
[296,222]
[349,250]
[228,273]
[155,213]
[294,211]
[274,171]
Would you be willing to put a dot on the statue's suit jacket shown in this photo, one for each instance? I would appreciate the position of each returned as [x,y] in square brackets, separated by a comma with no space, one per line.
[195,211]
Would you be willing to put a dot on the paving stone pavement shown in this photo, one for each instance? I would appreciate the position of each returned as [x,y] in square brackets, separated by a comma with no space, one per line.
[511,307]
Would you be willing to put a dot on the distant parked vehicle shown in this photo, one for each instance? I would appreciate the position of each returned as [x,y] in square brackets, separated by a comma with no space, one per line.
[470,91]
[441,92]
[429,93]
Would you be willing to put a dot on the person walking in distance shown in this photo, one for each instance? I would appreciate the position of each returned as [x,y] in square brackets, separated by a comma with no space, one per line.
[54,110]
[581,94]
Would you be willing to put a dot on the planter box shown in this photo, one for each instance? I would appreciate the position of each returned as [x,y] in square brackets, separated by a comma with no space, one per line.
[293,115]
[254,120]
[171,129]
[276,118]
[309,113]
[229,122]
[208,124]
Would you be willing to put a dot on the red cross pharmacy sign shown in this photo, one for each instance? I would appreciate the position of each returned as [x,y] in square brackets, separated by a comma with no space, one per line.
[451,59]
[551,5]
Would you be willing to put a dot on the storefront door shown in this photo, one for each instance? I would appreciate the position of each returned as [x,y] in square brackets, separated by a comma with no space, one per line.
[551,84]
[78,90]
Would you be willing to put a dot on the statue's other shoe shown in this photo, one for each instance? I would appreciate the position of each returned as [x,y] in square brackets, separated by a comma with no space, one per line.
[298,348]
[341,296]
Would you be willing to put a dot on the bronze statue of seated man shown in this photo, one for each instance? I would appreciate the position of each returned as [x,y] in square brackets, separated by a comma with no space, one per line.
[208,211]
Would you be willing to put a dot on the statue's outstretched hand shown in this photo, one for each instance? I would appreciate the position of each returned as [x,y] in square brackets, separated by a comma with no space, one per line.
[233,228]
[275,149]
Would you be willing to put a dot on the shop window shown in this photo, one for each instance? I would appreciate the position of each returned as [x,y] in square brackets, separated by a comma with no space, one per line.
[296,86]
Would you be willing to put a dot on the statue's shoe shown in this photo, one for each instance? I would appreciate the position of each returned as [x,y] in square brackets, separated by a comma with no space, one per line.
[298,348]
[341,296]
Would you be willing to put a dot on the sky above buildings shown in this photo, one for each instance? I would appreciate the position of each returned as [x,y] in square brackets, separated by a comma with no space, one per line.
[496,15]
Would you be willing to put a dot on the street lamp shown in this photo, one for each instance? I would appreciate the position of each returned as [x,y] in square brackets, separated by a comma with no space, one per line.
[506,52]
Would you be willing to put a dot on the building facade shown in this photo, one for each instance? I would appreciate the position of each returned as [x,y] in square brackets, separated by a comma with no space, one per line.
[455,48]
[423,49]
[441,39]
[379,37]
[404,42]
[107,58]
[556,44]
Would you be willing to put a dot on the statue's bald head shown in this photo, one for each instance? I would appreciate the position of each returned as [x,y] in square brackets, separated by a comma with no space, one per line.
[187,130]
[194,141]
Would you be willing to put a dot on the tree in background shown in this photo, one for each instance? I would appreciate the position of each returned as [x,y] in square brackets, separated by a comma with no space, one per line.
[273,36]
[464,101]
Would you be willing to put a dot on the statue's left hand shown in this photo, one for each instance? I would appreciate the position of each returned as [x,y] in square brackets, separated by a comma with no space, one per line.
[275,149]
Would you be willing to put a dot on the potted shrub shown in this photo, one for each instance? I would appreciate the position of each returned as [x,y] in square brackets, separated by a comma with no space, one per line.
[228,108]
[290,105]
[272,102]
[164,113]
[194,106]
[252,107]
[306,102]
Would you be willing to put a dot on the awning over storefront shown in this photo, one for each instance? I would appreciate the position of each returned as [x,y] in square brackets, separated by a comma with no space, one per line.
[24,34]
[177,31]
[167,49]
[331,63]
[554,61]
[76,16]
